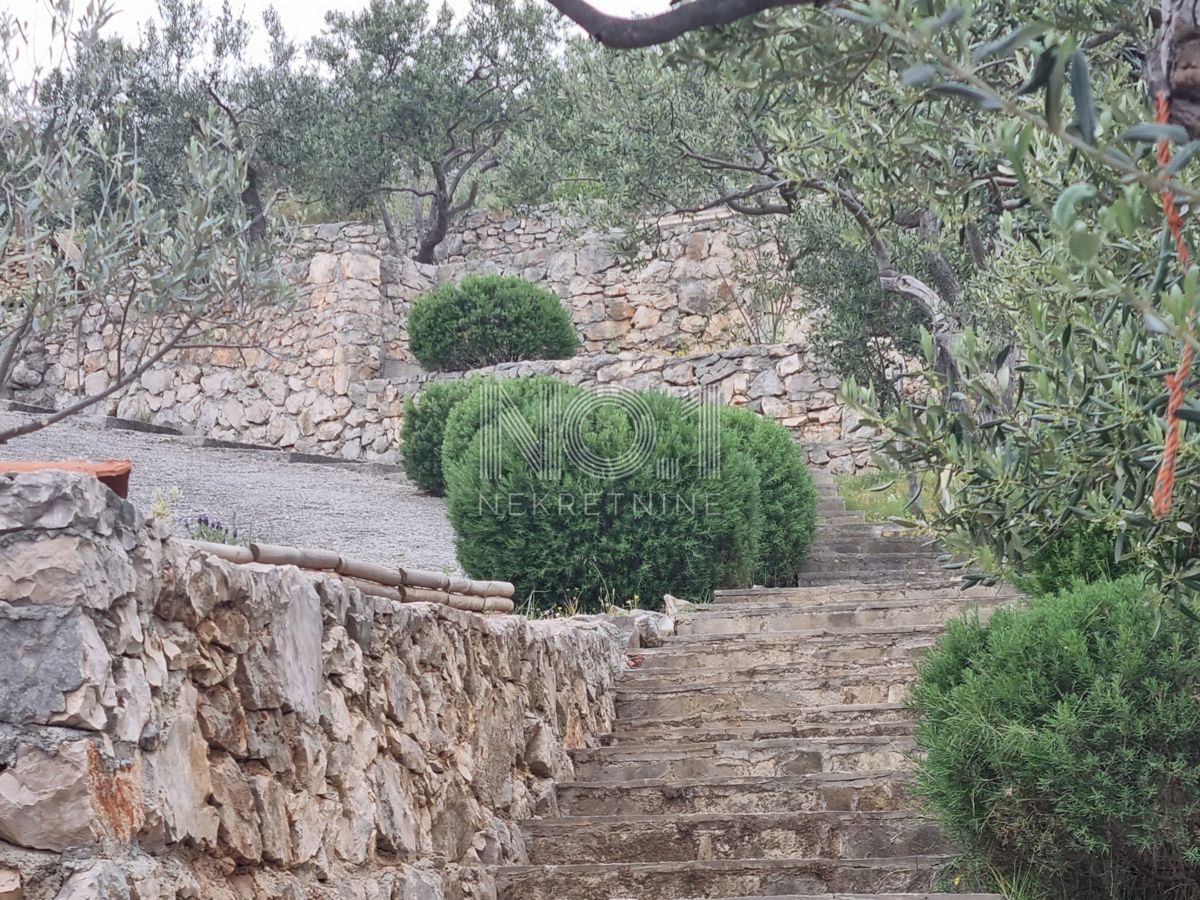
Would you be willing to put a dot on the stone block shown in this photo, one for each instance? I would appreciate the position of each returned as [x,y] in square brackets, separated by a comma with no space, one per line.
[11,887]
[54,668]
[765,384]
[100,880]
[323,268]
[607,330]
[282,669]
[156,380]
[361,267]
[68,797]
[49,501]
[695,297]
[179,780]
[65,570]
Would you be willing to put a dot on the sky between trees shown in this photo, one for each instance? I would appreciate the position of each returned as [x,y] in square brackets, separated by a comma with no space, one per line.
[304,19]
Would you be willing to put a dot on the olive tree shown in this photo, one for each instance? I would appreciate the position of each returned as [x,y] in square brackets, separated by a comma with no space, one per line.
[630,137]
[1026,130]
[422,106]
[93,249]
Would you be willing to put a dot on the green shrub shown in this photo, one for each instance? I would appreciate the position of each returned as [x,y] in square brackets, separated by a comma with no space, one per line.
[424,425]
[1062,742]
[788,503]
[594,540]
[470,414]
[1082,554]
[488,319]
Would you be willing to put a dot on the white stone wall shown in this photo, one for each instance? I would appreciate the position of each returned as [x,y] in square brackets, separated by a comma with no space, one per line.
[176,726]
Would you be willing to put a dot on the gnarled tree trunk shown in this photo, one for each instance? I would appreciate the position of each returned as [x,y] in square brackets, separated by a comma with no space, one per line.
[1174,64]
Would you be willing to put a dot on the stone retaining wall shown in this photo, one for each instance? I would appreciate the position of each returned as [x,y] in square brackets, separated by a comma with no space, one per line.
[677,296]
[294,378]
[174,726]
[777,381]
[328,373]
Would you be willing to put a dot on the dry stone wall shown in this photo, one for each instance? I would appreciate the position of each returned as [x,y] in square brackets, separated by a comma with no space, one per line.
[778,381]
[675,297]
[291,377]
[175,726]
[328,373]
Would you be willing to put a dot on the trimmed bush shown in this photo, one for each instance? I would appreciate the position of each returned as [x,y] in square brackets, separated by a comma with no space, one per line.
[488,319]
[592,540]
[421,434]
[1062,742]
[469,416]
[788,496]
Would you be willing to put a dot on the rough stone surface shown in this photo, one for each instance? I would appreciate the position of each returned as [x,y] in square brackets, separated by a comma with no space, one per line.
[677,296]
[219,731]
[757,756]
[275,379]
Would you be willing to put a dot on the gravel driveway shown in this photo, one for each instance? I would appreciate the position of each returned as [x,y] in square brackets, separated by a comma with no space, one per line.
[363,511]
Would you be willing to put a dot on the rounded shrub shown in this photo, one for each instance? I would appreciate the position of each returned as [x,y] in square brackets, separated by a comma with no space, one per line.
[488,319]
[587,532]
[424,425]
[509,396]
[788,502]
[1062,743]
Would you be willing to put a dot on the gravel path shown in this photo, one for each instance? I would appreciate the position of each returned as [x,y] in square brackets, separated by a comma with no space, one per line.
[361,511]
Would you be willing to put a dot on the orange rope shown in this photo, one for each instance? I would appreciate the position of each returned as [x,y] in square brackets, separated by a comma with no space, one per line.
[1164,484]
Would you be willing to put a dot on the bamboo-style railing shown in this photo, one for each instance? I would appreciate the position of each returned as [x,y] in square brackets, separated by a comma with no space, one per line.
[399,584]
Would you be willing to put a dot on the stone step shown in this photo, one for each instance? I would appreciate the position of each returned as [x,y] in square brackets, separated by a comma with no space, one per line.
[858,529]
[827,671]
[718,878]
[849,719]
[832,596]
[846,616]
[867,791]
[855,563]
[766,693]
[831,576]
[855,591]
[774,756]
[921,896]
[740,731]
[848,517]
[843,542]
[823,649]
[784,835]
[837,602]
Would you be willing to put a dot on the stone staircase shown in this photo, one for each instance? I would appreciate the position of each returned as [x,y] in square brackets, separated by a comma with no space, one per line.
[765,750]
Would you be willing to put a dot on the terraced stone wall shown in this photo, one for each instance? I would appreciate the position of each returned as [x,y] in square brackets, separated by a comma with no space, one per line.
[679,295]
[292,376]
[784,382]
[328,372]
